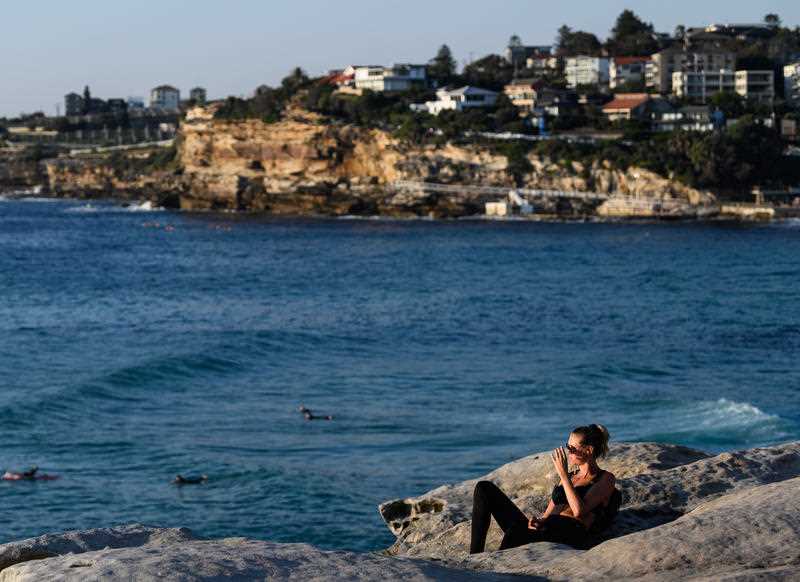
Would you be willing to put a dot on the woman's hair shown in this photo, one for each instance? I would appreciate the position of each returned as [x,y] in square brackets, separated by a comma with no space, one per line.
[595,435]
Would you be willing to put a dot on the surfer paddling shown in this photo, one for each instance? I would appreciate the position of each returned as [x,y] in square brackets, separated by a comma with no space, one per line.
[181,480]
[31,474]
[308,415]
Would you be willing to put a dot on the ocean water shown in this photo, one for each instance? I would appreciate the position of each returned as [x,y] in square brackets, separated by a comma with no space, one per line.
[137,344]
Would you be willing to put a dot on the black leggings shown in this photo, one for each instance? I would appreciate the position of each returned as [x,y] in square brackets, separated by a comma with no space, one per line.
[489,501]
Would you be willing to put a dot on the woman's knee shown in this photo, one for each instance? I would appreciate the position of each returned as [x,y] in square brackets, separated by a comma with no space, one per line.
[484,487]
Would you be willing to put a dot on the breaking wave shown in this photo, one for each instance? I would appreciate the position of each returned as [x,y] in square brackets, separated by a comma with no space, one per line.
[90,208]
[722,423]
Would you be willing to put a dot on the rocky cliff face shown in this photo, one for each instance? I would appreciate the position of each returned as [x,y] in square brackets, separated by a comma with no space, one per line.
[305,164]
[95,178]
[308,164]
[19,172]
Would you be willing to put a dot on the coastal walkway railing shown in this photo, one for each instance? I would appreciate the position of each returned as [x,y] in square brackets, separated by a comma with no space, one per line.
[405,186]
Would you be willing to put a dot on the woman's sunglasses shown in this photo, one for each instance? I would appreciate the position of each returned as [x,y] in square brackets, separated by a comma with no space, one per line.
[573,450]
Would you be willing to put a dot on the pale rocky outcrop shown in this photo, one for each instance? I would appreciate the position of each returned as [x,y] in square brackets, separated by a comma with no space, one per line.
[659,483]
[685,515]
[753,529]
[421,521]
[76,542]
[140,553]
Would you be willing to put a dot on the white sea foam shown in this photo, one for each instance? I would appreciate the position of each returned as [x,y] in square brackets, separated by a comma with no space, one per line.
[146,206]
[726,412]
[25,198]
[722,421]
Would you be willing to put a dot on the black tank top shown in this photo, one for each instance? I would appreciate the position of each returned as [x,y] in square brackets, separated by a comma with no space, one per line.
[559,496]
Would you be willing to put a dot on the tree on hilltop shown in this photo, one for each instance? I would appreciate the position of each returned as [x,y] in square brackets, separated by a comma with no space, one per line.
[628,24]
[631,36]
[577,42]
[772,20]
[442,67]
[87,100]
[491,72]
[295,80]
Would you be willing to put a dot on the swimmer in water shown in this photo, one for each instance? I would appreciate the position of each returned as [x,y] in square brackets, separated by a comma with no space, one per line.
[306,412]
[181,480]
[29,475]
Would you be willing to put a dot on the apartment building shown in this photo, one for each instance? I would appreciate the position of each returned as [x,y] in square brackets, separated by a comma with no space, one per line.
[791,83]
[756,85]
[585,70]
[752,85]
[165,97]
[664,64]
[700,86]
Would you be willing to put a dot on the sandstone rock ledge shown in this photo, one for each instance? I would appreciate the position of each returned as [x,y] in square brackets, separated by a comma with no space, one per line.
[685,515]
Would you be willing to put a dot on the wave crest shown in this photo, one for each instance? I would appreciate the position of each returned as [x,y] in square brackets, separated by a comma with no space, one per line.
[90,208]
[720,423]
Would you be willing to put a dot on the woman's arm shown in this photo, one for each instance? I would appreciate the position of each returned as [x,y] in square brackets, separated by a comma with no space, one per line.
[535,522]
[550,507]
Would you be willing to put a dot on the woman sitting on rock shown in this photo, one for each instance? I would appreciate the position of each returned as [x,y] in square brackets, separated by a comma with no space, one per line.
[577,504]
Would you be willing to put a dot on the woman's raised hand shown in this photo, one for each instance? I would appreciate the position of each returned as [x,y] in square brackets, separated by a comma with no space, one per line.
[559,457]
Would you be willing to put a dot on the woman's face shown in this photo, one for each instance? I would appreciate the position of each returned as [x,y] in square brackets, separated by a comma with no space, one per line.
[577,452]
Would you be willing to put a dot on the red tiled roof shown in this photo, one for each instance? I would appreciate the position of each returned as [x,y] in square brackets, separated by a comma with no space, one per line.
[336,79]
[630,60]
[626,101]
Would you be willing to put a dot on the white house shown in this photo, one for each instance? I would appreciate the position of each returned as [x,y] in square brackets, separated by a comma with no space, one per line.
[165,97]
[583,70]
[791,83]
[400,77]
[460,99]
[624,70]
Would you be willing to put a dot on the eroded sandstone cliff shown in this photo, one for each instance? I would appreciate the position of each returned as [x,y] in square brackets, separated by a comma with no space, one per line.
[94,177]
[308,164]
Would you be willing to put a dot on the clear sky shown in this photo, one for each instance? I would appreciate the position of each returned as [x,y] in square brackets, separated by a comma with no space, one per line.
[51,47]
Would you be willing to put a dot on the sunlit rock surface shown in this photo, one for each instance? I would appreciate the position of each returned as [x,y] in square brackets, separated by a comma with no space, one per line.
[685,516]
